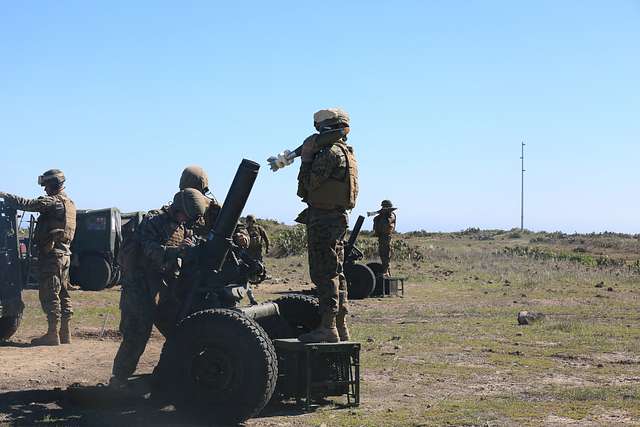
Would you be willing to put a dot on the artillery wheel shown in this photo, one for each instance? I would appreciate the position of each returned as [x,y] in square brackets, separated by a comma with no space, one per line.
[9,325]
[376,267]
[93,273]
[360,280]
[220,365]
[299,314]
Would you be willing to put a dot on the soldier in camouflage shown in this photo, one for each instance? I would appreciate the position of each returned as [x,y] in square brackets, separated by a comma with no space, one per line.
[328,183]
[53,235]
[384,224]
[258,238]
[150,262]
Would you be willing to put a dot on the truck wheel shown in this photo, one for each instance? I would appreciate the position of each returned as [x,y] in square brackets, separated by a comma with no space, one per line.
[220,365]
[299,314]
[93,273]
[376,267]
[360,280]
[8,326]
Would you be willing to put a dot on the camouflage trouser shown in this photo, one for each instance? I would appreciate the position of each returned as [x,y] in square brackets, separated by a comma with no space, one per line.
[384,249]
[326,230]
[137,310]
[53,279]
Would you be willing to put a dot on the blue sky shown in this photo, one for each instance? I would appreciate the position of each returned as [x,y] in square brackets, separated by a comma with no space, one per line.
[123,95]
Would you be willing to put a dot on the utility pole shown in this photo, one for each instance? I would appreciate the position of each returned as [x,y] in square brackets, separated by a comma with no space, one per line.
[522,190]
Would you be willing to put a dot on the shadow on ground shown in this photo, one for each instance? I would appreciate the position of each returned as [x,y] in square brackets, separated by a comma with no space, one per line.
[99,406]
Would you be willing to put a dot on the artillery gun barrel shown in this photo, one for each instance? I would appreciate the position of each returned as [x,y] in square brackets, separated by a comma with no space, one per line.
[217,246]
[353,236]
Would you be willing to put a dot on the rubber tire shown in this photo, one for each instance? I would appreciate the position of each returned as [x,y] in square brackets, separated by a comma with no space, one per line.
[9,325]
[299,314]
[93,273]
[361,281]
[246,361]
[376,267]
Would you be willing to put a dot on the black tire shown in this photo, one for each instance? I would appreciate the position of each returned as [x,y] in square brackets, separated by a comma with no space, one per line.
[376,267]
[360,280]
[8,326]
[93,273]
[219,365]
[299,314]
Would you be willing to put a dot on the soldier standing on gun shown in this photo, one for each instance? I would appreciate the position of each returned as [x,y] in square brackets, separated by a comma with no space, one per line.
[258,238]
[53,235]
[328,183]
[384,224]
[150,259]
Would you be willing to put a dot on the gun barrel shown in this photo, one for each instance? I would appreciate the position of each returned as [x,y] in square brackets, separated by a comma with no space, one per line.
[353,236]
[217,246]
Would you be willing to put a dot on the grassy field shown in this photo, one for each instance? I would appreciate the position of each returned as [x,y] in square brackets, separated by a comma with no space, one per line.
[451,351]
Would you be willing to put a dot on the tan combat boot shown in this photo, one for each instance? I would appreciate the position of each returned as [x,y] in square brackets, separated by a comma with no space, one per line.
[326,332]
[65,332]
[51,337]
[341,326]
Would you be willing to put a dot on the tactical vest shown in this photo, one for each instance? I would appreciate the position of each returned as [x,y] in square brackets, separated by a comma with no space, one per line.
[338,193]
[384,225]
[58,225]
[255,238]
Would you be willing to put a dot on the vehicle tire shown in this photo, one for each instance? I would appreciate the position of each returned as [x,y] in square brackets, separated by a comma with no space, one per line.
[360,280]
[299,314]
[376,267]
[219,365]
[93,273]
[8,326]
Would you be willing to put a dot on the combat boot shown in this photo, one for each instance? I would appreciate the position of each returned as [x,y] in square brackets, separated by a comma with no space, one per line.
[326,332]
[341,326]
[65,332]
[50,338]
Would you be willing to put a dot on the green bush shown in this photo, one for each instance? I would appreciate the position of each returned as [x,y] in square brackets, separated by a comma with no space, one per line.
[290,241]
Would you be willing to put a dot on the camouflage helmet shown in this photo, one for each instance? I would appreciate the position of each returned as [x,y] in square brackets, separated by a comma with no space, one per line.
[194,177]
[191,202]
[251,218]
[330,117]
[52,176]
[386,204]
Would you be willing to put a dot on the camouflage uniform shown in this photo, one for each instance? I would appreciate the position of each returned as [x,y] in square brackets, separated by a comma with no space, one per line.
[383,226]
[150,262]
[326,229]
[327,182]
[257,238]
[54,232]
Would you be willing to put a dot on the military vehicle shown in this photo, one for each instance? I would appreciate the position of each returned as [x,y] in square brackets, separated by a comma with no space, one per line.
[11,273]
[219,360]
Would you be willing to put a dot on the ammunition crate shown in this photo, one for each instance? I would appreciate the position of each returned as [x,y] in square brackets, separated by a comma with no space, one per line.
[393,287]
[313,371]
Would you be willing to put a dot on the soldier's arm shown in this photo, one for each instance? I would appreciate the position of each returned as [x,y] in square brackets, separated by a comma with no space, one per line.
[41,204]
[318,171]
[152,242]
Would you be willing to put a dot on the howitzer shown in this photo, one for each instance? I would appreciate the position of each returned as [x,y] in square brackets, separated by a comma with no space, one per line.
[361,281]
[219,360]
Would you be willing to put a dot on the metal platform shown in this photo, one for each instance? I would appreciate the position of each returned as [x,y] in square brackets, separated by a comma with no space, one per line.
[393,286]
[313,371]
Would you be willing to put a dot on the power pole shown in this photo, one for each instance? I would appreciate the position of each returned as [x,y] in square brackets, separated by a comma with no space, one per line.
[522,190]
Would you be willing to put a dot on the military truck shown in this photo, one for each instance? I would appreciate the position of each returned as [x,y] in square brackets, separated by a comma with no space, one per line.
[11,273]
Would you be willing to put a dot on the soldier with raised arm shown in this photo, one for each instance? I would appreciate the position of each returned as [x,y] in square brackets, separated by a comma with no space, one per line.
[53,235]
[328,183]
[384,224]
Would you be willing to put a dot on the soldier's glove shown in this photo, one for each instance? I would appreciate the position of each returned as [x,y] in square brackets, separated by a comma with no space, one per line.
[309,149]
[281,160]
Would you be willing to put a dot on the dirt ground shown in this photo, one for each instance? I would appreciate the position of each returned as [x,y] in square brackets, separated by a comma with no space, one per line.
[449,353]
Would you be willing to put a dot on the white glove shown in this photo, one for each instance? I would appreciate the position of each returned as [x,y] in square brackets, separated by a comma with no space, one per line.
[281,160]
